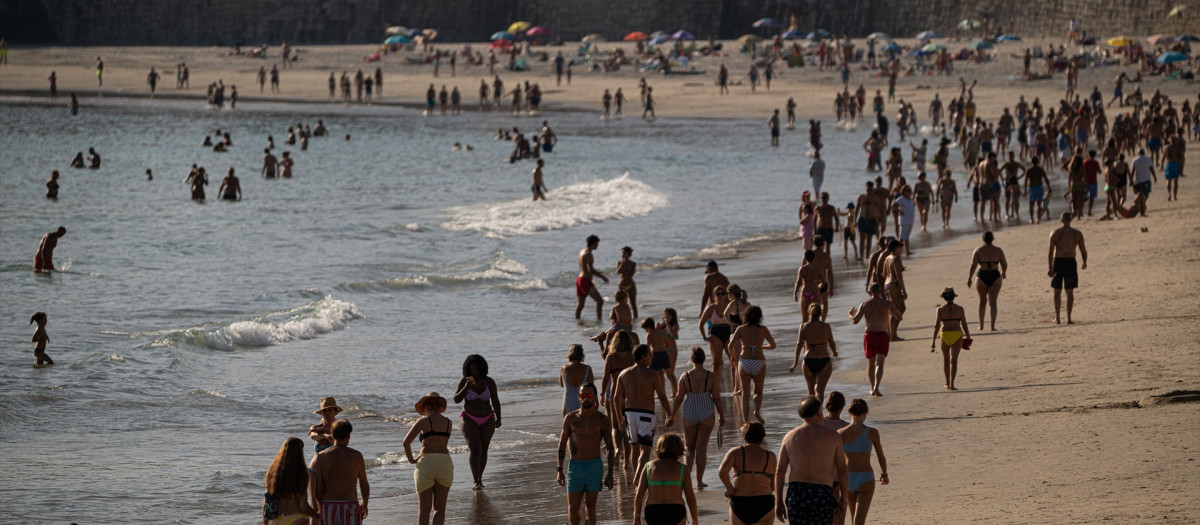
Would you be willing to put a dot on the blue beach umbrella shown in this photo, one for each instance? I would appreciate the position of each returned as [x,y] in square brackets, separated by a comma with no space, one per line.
[660,39]
[1187,38]
[879,36]
[413,33]
[980,45]
[820,33]
[766,22]
[1008,38]
[927,35]
[501,35]
[1172,57]
[683,35]
[397,39]
[793,34]
[892,48]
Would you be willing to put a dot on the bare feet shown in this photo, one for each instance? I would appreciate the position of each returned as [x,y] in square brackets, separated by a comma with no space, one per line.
[701,484]
[953,388]
[1056,321]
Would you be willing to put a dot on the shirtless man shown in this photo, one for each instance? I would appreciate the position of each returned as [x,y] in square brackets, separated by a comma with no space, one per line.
[1174,166]
[866,217]
[231,188]
[1061,259]
[637,386]
[338,474]
[270,164]
[893,274]
[773,123]
[1012,170]
[584,430]
[626,267]
[712,279]
[989,185]
[52,185]
[538,186]
[1035,187]
[811,463]
[583,283]
[878,312]
[828,221]
[43,260]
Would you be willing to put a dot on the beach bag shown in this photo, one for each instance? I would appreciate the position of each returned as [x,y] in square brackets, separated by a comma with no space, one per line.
[270,506]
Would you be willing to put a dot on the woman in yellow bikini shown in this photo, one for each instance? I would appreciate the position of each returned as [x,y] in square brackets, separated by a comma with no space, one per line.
[434,472]
[951,327]
[286,499]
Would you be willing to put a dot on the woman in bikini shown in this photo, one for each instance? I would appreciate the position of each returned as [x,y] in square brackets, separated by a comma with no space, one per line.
[857,441]
[659,343]
[753,338]
[434,471]
[947,195]
[923,192]
[719,329]
[816,341]
[951,327]
[810,283]
[40,338]
[670,326]
[618,358]
[573,375]
[286,499]
[699,395]
[481,412]
[993,269]
[751,493]
[626,267]
[736,314]
[895,166]
[665,486]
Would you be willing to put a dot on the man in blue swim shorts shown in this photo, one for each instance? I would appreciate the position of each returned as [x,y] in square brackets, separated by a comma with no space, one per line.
[585,429]
[1174,167]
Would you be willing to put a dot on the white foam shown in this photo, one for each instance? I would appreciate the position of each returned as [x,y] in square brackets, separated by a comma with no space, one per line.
[304,322]
[500,268]
[566,207]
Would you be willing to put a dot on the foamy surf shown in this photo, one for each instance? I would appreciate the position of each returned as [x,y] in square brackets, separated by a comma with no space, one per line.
[499,272]
[566,207]
[726,250]
[303,322]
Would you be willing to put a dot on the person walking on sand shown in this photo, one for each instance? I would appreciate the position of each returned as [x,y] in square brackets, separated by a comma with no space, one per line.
[339,476]
[699,396]
[866,217]
[719,330]
[810,283]
[878,312]
[585,429]
[53,85]
[538,186]
[892,269]
[573,375]
[262,78]
[950,325]
[40,338]
[812,468]
[833,407]
[152,79]
[751,492]
[618,356]
[584,287]
[1063,243]
[993,269]
[649,106]
[481,412]
[434,470]
[665,486]
[274,79]
[43,259]
[752,338]
[712,279]
[815,340]
[857,441]
[637,388]
[286,483]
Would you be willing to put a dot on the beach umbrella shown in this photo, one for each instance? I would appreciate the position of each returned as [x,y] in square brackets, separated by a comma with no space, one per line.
[517,27]
[396,30]
[1008,38]
[980,45]
[1121,41]
[594,37]
[501,35]
[397,39]
[766,22]
[500,44]
[933,48]
[927,35]
[1158,40]
[820,33]
[683,35]
[792,34]
[969,24]
[660,39]
[749,39]
[1172,57]
[879,36]
[1177,11]
[413,33]
[636,35]
[657,34]
[892,48]
[537,31]
[429,33]
[1187,38]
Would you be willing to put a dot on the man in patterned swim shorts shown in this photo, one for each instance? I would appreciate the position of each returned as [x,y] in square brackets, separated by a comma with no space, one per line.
[811,464]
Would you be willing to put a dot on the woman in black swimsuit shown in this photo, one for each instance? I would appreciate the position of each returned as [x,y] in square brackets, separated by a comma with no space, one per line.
[751,492]
[816,341]
[993,268]
[665,486]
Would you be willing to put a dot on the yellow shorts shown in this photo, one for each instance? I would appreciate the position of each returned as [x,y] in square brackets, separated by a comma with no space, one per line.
[433,469]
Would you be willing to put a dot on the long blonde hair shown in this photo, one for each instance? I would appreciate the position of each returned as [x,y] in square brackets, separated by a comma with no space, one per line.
[288,475]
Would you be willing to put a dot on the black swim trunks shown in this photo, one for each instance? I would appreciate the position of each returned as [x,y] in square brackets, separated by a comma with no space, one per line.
[827,233]
[868,226]
[1065,274]
[810,504]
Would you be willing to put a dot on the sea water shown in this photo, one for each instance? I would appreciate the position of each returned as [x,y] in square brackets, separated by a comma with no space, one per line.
[191,338]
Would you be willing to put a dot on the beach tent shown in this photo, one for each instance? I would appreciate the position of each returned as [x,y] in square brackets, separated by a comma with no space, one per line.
[1121,41]
[517,27]
[1158,40]
[879,36]
[396,30]
[766,22]
[397,40]
[537,31]
[1008,38]
[501,35]
[928,35]
[1172,57]
[793,34]
[683,35]
[636,35]
[980,45]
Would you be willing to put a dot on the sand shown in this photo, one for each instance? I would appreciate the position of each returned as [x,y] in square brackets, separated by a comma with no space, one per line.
[1053,424]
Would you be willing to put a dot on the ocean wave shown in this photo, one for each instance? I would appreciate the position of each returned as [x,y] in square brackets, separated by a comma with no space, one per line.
[726,250]
[566,207]
[500,272]
[303,322]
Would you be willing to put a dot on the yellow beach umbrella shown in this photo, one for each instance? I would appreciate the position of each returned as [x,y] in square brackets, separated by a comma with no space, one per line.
[1121,41]
[519,27]
[1177,11]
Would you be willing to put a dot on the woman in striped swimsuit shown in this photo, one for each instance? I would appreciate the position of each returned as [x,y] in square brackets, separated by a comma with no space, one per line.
[700,396]
[754,338]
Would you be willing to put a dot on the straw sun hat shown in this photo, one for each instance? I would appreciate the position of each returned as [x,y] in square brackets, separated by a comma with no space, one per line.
[328,402]
[428,397]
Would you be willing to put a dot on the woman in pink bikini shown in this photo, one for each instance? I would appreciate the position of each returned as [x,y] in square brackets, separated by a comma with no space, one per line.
[481,412]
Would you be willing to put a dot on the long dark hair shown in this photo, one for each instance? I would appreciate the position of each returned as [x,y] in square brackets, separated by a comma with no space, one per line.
[288,475]
[479,362]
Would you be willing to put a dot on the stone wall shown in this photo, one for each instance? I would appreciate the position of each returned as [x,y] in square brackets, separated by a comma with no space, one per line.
[200,22]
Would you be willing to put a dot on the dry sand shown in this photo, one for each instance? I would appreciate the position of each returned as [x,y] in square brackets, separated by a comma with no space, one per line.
[1053,424]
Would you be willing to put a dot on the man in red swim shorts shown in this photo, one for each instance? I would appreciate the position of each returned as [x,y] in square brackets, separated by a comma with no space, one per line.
[879,313]
[583,283]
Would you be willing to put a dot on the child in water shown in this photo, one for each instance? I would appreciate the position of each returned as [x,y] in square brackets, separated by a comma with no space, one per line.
[40,339]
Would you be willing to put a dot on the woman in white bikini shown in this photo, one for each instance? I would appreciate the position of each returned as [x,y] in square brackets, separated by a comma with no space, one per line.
[754,338]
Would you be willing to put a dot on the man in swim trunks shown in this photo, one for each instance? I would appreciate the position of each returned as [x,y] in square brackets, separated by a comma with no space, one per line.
[270,163]
[773,123]
[1035,187]
[637,387]
[231,188]
[583,283]
[584,430]
[43,260]
[1063,243]
[866,216]
[1174,168]
[828,219]
[878,311]
[539,186]
[337,474]
[812,466]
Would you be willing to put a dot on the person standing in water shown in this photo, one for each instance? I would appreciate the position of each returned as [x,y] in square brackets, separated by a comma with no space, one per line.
[43,260]
[231,188]
[539,185]
[626,267]
[52,186]
[584,287]
[338,474]
[40,338]
[481,412]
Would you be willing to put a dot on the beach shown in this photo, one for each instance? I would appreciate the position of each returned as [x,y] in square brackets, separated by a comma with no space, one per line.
[1052,424]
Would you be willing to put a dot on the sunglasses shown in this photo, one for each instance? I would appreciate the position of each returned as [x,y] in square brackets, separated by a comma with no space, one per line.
[721,293]
[587,396]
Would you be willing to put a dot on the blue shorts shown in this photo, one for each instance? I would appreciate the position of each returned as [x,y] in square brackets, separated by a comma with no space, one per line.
[905,231]
[429,103]
[585,476]
[1173,170]
[1092,189]
[985,146]
[1081,137]
[1037,193]
[1154,144]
